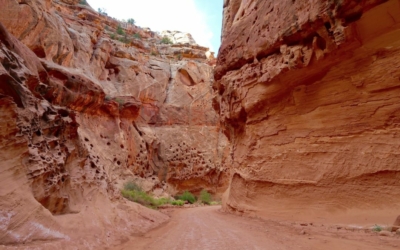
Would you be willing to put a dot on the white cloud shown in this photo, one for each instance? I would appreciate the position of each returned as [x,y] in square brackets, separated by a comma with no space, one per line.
[159,15]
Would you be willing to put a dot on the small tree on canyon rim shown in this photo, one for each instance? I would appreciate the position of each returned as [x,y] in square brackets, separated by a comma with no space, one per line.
[166,40]
[102,11]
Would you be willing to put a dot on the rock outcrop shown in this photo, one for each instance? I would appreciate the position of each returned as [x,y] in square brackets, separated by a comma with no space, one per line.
[178,37]
[85,107]
[396,225]
[308,95]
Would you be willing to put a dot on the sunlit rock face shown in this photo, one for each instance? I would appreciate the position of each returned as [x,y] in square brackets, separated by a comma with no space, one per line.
[178,37]
[83,109]
[308,95]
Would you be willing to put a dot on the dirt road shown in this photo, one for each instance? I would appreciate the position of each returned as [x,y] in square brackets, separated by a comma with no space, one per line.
[208,228]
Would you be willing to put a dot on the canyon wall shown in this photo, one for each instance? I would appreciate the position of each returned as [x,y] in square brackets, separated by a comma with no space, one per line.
[86,107]
[308,95]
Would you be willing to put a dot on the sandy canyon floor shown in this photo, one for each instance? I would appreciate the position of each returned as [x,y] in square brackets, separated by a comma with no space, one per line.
[209,228]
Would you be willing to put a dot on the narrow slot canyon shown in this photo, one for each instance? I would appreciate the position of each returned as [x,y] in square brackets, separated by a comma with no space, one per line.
[114,136]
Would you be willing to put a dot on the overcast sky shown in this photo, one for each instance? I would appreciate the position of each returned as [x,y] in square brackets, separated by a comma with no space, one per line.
[201,18]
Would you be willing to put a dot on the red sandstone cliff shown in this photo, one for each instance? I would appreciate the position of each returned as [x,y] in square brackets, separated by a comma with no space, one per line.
[308,94]
[81,113]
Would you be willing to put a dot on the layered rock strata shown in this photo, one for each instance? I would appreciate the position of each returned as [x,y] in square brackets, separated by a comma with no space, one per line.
[84,108]
[308,94]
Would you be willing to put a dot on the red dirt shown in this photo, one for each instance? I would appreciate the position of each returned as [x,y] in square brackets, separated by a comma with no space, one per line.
[209,228]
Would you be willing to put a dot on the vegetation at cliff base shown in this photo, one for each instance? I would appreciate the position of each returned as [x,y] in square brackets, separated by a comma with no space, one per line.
[377,228]
[140,197]
[132,186]
[178,203]
[133,192]
[215,203]
[187,196]
[205,197]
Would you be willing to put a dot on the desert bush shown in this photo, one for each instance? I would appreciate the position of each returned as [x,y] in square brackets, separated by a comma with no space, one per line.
[133,192]
[131,21]
[178,203]
[119,101]
[187,196]
[377,228]
[140,197]
[205,197]
[120,31]
[124,40]
[83,2]
[215,203]
[102,11]
[163,201]
[166,40]
[132,186]
[137,36]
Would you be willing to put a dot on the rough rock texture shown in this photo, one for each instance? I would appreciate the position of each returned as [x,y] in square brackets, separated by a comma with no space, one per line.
[396,224]
[82,110]
[178,37]
[46,169]
[308,94]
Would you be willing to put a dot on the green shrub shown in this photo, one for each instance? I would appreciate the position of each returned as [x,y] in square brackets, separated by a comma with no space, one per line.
[133,192]
[163,201]
[131,21]
[137,36]
[120,31]
[124,40]
[215,203]
[166,40]
[178,203]
[377,228]
[102,11]
[112,36]
[119,101]
[153,53]
[187,196]
[140,197]
[205,197]
[83,2]
[132,186]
